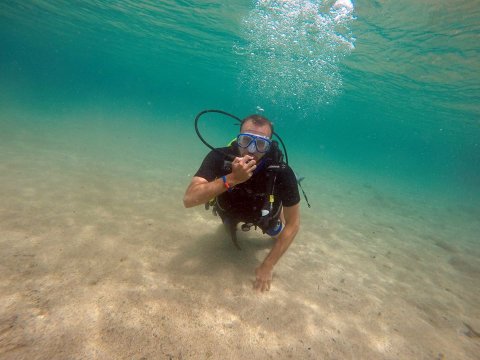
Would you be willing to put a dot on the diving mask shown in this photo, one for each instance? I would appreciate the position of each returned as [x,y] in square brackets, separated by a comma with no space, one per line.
[253,142]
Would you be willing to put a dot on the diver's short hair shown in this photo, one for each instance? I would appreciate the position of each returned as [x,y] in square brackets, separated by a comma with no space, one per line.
[258,120]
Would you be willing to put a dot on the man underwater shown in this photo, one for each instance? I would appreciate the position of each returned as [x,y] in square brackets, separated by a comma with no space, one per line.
[241,191]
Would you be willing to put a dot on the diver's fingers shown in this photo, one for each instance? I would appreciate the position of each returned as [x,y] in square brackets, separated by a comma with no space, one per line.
[247,159]
[261,285]
[247,165]
[250,163]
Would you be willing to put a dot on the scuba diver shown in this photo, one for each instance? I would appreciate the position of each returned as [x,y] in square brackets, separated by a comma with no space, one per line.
[250,184]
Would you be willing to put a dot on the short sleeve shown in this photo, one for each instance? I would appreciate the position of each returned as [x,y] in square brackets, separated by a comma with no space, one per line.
[209,168]
[289,188]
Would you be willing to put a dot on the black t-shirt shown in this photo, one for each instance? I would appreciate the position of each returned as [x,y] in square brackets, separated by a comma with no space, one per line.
[245,201]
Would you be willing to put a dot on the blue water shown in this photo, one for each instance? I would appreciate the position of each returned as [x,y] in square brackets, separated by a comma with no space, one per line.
[381,96]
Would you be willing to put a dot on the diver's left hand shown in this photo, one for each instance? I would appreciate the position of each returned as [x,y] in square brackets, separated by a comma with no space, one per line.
[263,275]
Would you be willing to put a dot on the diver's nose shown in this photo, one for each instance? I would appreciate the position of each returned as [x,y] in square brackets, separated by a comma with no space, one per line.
[251,148]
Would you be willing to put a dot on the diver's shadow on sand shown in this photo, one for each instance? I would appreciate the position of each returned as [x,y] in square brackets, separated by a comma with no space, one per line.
[216,257]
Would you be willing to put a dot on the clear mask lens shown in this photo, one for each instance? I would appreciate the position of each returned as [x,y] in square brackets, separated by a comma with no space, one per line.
[252,148]
[253,143]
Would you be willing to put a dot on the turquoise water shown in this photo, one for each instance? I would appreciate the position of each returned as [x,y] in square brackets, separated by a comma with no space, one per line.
[377,102]
[375,85]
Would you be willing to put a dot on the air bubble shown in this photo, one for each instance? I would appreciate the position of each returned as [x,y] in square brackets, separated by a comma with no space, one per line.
[305,49]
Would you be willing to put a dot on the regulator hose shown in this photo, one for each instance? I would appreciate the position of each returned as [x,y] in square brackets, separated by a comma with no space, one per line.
[231,157]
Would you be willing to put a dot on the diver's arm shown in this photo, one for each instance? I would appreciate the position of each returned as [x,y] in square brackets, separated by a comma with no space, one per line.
[285,238]
[201,190]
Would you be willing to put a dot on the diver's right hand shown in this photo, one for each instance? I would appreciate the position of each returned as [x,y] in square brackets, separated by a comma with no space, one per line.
[242,169]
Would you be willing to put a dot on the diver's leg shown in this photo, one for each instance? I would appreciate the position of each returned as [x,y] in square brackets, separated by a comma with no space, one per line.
[231,227]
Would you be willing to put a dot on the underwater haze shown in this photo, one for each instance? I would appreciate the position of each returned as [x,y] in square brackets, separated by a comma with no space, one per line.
[377,85]
[378,105]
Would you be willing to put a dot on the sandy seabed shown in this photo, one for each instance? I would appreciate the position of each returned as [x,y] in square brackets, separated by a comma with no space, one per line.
[99,261]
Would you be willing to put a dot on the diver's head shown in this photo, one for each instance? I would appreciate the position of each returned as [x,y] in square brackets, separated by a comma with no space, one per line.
[255,136]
